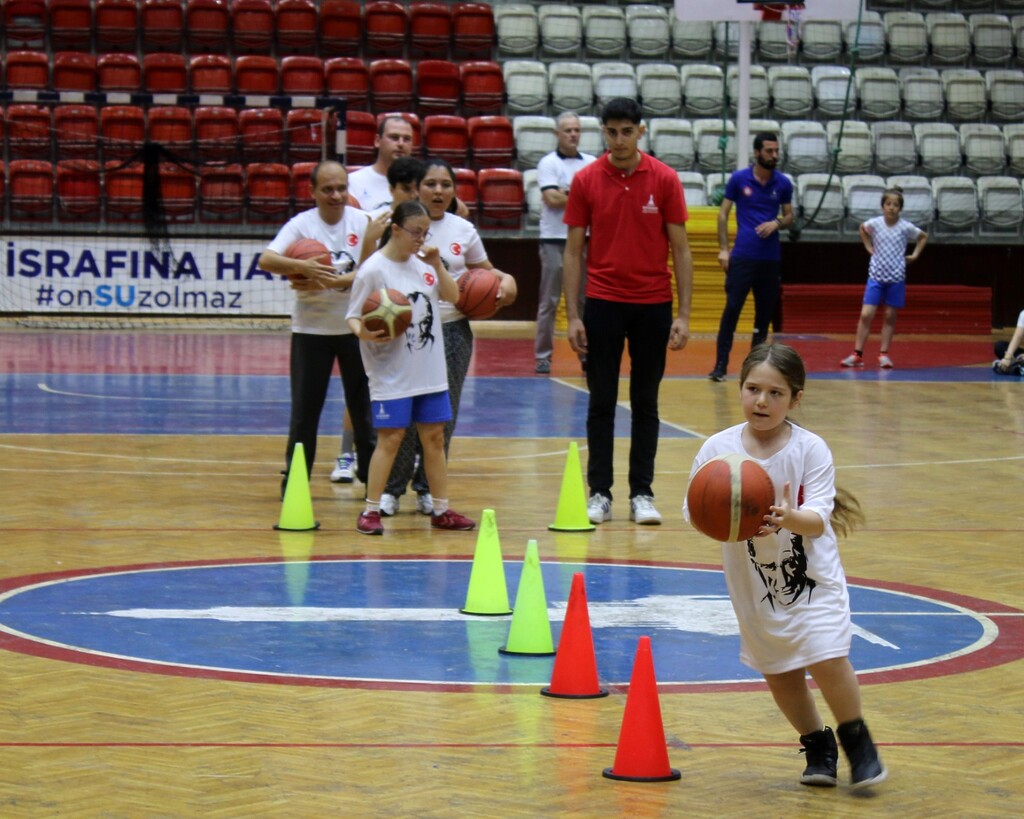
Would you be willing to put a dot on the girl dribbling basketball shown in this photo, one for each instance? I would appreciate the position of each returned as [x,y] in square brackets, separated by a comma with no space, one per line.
[787,585]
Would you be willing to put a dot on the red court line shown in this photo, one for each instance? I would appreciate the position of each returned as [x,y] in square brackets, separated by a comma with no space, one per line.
[406,746]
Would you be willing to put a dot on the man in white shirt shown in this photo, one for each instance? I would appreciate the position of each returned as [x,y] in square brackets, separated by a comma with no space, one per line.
[554,175]
[369,185]
[320,333]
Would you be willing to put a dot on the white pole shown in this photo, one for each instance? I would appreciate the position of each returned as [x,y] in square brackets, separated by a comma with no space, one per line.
[743,104]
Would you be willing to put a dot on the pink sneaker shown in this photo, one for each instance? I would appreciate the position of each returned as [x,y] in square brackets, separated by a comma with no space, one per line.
[369,524]
[884,361]
[852,360]
[452,520]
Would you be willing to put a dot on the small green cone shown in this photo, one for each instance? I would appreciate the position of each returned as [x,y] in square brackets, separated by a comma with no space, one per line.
[571,515]
[297,506]
[487,593]
[530,631]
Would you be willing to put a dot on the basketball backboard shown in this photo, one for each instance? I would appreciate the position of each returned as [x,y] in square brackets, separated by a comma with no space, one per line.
[754,11]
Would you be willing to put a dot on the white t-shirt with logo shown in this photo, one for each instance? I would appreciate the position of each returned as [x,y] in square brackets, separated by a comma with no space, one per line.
[322,312]
[461,249]
[414,363]
[370,188]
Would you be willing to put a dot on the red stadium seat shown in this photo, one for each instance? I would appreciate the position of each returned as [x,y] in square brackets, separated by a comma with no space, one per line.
[501,198]
[302,76]
[31,189]
[24,22]
[221,193]
[360,134]
[473,31]
[446,137]
[207,24]
[296,25]
[216,131]
[256,74]
[119,72]
[164,73]
[74,71]
[391,85]
[27,70]
[177,192]
[79,186]
[348,77]
[430,29]
[29,131]
[438,87]
[491,141]
[171,127]
[305,128]
[302,185]
[261,132]
[483,87]
[122,130]
[122,188]
[252,26]
[465,189]
[77,131]
[117,25]
[414,122]
[3,180]
[341,27]
[163,22]
[385,24]
[211,74]
[71,25]
[268,191]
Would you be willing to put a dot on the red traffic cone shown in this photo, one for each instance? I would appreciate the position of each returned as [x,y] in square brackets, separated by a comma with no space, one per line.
[642,755]
[575,672]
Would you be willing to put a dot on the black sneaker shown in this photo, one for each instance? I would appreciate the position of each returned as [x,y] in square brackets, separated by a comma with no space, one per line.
[717,374]
[822,758]
[866,768]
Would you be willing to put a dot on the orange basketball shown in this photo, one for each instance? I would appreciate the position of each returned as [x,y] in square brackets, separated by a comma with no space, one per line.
[309,249]
[478,293]
[387,309]
[728,498]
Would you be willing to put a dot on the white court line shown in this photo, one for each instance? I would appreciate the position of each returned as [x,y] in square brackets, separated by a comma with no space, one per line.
[106,396]
[626,406]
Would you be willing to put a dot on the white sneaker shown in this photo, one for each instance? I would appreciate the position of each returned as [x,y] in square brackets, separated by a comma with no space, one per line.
[641,509]
[344,468]
[424,503]
[388,505]
[599,508]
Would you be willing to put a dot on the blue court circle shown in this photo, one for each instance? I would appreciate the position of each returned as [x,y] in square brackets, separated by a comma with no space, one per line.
[394,623]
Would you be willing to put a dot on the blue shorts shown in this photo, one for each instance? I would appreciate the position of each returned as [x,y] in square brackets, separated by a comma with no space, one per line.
[892,294]
[398,413]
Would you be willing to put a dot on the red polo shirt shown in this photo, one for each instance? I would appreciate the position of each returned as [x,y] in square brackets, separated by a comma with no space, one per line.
[627,258]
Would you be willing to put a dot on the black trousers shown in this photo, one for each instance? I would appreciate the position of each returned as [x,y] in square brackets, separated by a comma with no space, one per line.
[610,326]
[312,360]
[744,275]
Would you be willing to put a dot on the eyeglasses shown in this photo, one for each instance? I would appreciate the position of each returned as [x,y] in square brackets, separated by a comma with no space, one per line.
[416,234]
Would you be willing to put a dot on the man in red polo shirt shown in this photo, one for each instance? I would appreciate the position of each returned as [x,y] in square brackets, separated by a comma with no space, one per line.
[634,208]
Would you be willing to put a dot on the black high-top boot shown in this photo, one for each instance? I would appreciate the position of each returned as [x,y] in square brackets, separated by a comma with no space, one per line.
[822,756]
[866,768]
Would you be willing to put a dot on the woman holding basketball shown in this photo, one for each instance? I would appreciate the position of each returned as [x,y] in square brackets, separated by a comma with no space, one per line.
[460,247]
[787,586]
[408,381]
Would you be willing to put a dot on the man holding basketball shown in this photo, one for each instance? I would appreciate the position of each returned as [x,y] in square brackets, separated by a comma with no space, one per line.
[634,208]
[320,334]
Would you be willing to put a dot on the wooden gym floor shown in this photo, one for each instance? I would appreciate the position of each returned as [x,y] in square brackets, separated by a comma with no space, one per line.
[152,459]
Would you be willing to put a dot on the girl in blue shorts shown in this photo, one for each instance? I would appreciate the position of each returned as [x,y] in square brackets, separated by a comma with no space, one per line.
[408,375]
[886,238]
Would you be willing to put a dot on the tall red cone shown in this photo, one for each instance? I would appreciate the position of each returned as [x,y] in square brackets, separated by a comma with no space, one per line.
[575,672]
[642,755]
